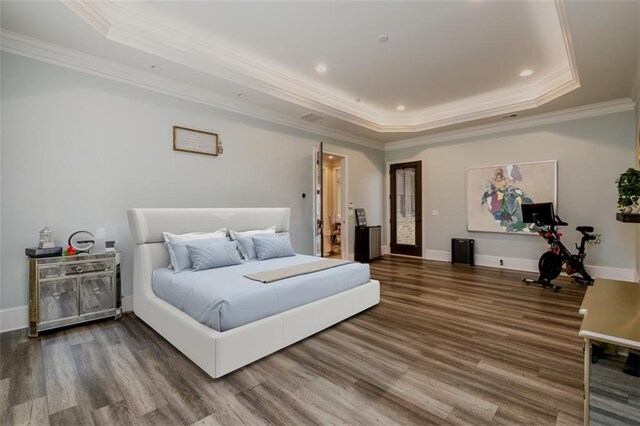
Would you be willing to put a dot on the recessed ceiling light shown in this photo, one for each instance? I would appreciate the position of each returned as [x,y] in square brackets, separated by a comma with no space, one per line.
[382,38]
[526,73]
[156,67]
[321,68]
[400,108]
[242,95]
[331,157]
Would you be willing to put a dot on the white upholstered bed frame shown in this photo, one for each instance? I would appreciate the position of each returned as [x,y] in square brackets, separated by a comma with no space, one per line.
[219,353]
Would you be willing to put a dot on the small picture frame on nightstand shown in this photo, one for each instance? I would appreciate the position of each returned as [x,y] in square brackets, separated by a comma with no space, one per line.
[361,217]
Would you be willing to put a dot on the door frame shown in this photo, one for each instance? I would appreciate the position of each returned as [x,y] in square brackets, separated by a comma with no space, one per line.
[387,203]
[344,186]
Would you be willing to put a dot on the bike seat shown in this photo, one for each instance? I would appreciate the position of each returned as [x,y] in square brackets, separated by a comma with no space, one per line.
[584,229]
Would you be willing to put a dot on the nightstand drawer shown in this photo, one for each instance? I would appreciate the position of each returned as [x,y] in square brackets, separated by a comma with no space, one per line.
[56,270]
[96,293]
[58,299]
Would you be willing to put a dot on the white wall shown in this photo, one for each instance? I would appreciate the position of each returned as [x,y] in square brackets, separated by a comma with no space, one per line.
[591,153]
[78,150]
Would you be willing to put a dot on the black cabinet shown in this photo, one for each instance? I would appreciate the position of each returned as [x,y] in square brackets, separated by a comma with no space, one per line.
[368,243]
[462,250]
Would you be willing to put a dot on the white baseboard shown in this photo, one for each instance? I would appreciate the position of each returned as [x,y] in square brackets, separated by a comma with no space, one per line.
[612,273]
[18,317]
[14,318]
[531,265]
[439,255]
[514,263]
[385,250]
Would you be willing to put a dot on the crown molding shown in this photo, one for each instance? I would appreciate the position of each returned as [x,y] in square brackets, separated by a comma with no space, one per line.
[483,106]
[94,13]
[119,23]
[48,52]
[585,111]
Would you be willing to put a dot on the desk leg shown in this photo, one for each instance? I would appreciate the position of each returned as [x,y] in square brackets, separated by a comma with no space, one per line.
[587,370]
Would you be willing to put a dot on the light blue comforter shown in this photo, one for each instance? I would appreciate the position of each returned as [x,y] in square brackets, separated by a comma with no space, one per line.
[223,298]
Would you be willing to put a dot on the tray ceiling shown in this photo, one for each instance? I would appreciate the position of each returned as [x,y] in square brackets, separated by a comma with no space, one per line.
[449,64]
[445,62]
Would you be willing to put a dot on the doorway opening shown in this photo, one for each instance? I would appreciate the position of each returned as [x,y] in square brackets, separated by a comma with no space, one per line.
[330,201]
[406,208]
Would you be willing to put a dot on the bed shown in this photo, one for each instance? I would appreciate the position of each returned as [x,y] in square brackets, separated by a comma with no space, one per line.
[239,342]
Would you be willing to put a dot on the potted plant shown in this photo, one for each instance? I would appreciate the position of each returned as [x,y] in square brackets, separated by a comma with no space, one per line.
[628,190]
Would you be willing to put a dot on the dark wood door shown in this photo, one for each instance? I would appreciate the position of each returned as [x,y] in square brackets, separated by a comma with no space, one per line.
[406,208]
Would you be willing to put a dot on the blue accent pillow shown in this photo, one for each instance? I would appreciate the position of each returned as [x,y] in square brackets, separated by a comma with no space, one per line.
[209,256]
[247,248]
[272,247]
[179,254]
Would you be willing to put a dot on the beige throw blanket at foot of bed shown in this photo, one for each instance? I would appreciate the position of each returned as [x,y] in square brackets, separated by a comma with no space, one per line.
[293,271]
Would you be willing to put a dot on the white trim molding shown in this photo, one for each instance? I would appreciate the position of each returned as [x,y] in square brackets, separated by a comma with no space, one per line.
[51,53]
[531,265]
[14,318]
[161,36]
[575,113]
[17,318]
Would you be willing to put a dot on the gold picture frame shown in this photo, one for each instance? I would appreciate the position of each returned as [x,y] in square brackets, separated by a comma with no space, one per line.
[195,141]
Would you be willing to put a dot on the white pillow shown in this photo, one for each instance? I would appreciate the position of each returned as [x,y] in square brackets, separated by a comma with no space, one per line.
[245,244]
[235,234]
[172,238]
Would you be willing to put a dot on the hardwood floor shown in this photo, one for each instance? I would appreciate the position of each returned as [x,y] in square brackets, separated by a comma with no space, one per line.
[448,344]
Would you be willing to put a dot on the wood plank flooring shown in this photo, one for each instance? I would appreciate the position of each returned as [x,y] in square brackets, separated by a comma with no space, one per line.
[448,344]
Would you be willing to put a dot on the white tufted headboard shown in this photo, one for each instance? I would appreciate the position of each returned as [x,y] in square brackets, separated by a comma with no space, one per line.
[147,225]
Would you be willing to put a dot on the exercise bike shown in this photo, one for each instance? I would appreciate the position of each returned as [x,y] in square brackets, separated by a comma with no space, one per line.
[550,263]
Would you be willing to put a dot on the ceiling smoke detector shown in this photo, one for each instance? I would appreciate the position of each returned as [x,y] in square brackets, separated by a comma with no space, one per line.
[382,38]
[310,117]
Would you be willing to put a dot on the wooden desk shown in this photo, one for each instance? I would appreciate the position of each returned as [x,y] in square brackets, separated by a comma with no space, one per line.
[611,312]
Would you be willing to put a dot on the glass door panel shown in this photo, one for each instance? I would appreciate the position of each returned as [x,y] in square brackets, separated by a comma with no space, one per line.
[406,211]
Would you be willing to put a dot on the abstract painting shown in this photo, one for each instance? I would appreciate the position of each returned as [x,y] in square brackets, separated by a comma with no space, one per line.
[495,195]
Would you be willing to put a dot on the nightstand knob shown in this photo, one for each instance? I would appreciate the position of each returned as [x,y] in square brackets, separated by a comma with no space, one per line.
[96,290]
[79,269]
[56,296]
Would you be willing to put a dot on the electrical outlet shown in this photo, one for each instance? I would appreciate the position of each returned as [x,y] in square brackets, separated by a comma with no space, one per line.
[501,262]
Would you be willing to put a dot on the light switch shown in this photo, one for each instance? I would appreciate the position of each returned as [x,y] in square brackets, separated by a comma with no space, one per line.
[101,233]
[435,212]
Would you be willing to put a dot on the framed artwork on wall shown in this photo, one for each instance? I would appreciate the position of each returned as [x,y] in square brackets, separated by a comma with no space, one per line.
[495,195]
[195,141]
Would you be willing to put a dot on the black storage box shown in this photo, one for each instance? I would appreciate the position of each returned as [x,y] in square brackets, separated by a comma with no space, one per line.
[462,250]
[368,243]
[43,252]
